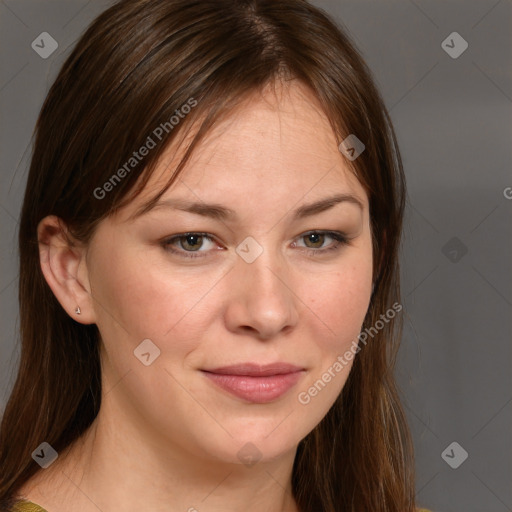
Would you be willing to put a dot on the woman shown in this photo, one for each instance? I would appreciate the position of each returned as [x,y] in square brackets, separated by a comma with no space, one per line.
[209,291]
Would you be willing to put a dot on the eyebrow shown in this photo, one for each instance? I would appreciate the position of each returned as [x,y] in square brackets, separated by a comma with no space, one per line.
[222,213]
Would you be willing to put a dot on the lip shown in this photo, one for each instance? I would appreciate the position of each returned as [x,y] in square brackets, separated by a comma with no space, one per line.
[256,383]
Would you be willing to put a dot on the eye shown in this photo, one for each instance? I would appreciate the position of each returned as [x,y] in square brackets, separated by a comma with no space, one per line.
[314,241]
[188,243]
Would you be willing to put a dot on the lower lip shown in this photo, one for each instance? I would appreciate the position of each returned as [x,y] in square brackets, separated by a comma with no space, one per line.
[256,389]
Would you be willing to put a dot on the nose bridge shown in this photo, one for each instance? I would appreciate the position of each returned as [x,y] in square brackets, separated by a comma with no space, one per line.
[261,264]
[267,277]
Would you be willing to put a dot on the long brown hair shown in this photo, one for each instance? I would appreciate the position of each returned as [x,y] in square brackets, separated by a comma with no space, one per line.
[139,62]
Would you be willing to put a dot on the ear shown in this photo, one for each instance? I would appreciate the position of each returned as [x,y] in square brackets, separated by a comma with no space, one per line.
[64,266]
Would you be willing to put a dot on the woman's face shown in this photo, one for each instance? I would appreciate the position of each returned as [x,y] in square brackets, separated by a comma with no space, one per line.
[256,290]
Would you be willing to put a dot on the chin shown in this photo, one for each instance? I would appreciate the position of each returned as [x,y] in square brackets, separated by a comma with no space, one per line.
[253,441]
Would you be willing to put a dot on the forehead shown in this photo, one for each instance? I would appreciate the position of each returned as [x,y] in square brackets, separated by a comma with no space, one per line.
[276,144]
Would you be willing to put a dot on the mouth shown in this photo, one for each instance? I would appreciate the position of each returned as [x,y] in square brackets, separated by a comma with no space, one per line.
[256,383]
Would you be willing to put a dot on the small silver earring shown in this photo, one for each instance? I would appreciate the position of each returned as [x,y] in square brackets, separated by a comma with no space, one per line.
[78,310]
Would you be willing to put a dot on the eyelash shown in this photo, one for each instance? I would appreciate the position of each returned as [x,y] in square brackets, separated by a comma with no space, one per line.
[340,239]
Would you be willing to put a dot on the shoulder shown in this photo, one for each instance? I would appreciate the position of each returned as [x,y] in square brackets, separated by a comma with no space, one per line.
[26,506]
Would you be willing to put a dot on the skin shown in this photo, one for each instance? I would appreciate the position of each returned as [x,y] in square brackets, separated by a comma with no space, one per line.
[166,438]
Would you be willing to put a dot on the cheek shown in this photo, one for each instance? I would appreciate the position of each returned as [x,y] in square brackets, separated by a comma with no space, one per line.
[339,305]
[140,297]
[339,301]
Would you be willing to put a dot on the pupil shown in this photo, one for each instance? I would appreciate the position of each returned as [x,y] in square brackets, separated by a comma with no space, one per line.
[315,238]
[190,240]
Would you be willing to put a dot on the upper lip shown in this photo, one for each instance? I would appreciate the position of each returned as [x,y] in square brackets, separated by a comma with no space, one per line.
[256,370]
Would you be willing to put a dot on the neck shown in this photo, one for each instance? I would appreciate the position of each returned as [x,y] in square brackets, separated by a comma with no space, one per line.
[118,465]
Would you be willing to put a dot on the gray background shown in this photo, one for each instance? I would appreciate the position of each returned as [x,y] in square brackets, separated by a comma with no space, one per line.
[453,121]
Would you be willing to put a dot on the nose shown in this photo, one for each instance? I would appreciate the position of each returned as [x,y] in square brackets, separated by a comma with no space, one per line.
[262,301]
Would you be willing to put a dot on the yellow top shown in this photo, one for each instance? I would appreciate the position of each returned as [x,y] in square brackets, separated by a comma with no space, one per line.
[28,506]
